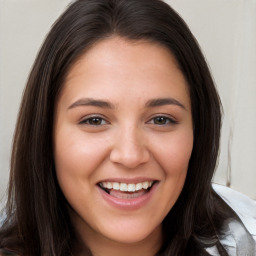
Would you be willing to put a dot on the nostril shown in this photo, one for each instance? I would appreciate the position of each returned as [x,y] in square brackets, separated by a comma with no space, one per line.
[129,148]
[130,158]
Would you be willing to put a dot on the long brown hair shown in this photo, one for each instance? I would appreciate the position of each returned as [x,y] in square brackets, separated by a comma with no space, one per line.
[37,221]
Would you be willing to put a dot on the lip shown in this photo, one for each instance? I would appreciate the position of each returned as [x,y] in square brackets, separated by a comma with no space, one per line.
[128,204]
[128,180]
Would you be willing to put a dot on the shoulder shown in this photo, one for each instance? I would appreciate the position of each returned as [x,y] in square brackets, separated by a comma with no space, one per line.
[242,205]
[239,236]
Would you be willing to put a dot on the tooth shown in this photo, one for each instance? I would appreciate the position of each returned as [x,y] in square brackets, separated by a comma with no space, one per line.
[116,185]
[145,184]
[109,185]
[131,187]
[138,186]
[123,187]
[126,187]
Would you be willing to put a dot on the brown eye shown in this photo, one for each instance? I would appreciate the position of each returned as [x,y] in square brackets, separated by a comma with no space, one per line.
[95,121]
[162,120]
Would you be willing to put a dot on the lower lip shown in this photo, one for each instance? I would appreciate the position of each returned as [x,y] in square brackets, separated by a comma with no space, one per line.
[128,204]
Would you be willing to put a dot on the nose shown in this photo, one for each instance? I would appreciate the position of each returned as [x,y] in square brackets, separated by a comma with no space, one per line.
[129,149]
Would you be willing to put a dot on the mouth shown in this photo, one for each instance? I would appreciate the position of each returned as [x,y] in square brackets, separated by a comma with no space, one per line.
[126,190]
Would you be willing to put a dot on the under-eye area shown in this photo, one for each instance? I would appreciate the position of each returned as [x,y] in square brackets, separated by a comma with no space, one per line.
[127,190]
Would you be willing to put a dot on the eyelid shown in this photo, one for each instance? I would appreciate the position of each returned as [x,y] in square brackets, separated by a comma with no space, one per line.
[172,120]
[91,116]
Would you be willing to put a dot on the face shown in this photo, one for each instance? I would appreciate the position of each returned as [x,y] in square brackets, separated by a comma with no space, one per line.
[123,138]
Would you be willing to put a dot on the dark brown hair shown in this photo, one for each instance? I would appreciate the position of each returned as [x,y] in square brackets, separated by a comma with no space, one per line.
[37,221]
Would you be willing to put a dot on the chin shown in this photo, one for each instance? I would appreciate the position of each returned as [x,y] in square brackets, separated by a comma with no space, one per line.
[127,235]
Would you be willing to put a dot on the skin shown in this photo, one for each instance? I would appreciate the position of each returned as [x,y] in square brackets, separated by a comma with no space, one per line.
[125,141]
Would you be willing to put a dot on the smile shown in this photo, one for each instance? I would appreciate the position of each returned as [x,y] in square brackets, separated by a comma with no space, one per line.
[126,194]
[126,187]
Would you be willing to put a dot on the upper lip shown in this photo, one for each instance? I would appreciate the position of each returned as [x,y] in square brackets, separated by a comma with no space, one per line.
[128,180]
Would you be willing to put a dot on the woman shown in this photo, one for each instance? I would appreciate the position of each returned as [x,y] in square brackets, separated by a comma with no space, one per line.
[117,140]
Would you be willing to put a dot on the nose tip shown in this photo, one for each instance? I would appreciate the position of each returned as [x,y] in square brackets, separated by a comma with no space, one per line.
[129,151]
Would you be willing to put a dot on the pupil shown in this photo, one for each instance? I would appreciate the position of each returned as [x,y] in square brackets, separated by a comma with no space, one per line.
[95,121]
[160,120]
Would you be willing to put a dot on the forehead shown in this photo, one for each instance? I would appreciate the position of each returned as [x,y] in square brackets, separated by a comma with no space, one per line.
[131,51]
[120,65]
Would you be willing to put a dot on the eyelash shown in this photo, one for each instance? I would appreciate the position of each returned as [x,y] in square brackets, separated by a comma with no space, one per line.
[102,121]
[168,120]
[89,120]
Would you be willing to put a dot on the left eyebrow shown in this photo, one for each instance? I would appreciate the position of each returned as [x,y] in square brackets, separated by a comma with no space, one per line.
[164,101]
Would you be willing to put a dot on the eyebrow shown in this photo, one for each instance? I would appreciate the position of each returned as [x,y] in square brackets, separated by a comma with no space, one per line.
[105,104]
[91,102]
[164,101]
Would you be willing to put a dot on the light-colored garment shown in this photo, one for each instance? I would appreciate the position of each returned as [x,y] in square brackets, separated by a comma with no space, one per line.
[240,237]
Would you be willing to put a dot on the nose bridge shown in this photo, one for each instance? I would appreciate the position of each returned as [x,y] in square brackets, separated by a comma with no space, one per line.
[129,148]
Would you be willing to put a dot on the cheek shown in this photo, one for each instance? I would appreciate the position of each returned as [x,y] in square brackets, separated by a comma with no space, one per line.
[173,157]
[77,155]
[174,153]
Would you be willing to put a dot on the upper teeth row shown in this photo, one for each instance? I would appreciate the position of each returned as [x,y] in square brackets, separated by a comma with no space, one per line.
[127,187]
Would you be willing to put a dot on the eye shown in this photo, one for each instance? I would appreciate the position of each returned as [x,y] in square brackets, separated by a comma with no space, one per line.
[94,121]
[162,120]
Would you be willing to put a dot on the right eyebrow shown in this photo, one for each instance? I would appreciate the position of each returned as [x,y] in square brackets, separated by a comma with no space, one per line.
[91,102]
